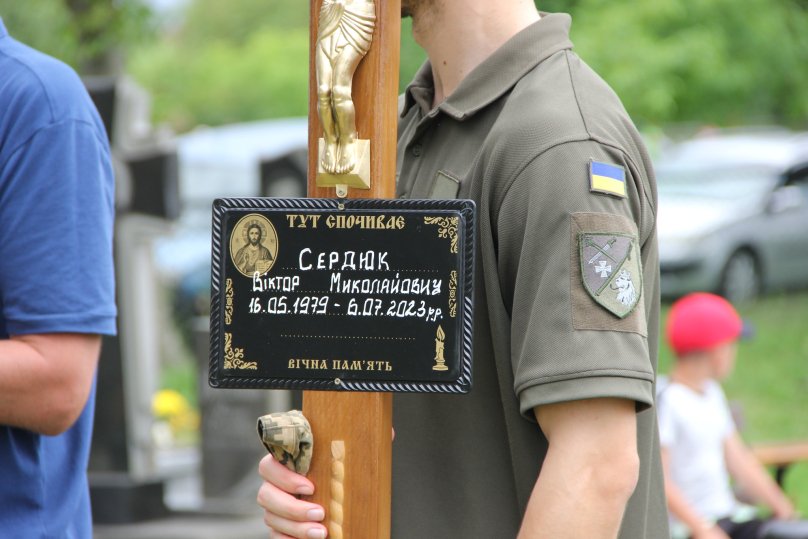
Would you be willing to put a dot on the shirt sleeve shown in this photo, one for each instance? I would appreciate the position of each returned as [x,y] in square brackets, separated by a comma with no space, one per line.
[667,422]
[562,247]
[56,225]
[728,426]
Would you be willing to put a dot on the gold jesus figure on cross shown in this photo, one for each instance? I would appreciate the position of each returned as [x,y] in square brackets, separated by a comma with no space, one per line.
[344,37]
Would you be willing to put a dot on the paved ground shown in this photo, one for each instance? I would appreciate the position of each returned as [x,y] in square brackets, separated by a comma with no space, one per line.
[236,516]
[188,526]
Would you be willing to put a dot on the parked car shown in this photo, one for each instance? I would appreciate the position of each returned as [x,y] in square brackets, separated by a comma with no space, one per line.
[733,214]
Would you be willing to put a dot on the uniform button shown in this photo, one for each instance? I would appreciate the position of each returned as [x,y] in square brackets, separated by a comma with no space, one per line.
[417,149]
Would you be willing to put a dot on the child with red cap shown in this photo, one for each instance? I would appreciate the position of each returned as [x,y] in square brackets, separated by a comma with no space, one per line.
[701,449]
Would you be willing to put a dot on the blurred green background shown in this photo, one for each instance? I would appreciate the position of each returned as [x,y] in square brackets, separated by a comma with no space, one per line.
[210,62]
[676,65]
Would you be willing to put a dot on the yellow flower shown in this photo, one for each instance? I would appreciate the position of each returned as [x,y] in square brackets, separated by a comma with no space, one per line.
[169,403]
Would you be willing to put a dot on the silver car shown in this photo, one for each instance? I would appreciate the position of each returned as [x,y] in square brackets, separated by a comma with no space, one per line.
[733,214]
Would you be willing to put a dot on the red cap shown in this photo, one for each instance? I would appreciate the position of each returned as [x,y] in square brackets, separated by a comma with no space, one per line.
[701,321]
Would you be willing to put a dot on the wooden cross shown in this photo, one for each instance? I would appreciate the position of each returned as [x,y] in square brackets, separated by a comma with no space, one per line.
[351,467]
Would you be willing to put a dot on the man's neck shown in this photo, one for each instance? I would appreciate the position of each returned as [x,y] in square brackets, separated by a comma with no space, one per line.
[458,35]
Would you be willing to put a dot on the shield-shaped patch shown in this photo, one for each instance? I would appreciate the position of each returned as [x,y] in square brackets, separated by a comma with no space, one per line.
[611,270]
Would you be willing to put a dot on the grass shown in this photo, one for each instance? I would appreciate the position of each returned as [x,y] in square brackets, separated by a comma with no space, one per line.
[770,381]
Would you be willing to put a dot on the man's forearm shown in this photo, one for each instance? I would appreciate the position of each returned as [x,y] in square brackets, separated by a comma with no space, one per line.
[23,372]
[45,380]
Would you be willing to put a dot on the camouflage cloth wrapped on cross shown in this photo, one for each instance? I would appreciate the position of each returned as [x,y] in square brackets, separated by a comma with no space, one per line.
[287,435]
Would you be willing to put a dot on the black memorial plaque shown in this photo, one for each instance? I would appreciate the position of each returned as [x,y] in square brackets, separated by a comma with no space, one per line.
[357,295]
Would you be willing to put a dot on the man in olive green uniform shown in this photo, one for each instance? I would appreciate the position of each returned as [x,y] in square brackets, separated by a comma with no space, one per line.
[566,297]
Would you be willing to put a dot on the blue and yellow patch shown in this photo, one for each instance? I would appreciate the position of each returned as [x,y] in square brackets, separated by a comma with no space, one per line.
[607,178]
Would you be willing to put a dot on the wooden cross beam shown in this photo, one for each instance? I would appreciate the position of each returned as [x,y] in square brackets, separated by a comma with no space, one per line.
[353,431]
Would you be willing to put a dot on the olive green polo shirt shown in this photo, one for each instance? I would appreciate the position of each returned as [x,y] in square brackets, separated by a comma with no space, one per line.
[566,284]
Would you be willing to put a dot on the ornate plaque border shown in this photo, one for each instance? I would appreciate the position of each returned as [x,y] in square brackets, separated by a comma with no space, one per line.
[463,237]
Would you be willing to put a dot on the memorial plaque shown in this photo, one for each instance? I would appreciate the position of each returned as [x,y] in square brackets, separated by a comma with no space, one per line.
[350,294]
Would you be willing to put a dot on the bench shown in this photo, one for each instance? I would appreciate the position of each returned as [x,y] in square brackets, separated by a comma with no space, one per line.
[781,456]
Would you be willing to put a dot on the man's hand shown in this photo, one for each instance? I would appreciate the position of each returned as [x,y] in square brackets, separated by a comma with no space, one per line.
[287,515]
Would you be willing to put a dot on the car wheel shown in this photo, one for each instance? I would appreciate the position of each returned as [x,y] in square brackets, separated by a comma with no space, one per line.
[741,279]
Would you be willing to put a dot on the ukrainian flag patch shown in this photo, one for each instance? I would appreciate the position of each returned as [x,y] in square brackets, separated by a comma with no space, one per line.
[607,178]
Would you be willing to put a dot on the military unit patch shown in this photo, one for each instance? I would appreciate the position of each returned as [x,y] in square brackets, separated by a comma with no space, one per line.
[611,270]
[607,178]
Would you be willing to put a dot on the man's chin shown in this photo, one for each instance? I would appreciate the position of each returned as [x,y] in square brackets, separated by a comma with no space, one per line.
[407,7]
[417,8]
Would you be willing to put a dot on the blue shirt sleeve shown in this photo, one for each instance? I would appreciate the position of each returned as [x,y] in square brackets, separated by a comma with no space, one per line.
[56,226]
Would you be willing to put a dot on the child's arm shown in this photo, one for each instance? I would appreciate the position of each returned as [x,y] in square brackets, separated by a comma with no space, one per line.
[681,509]
[754,479]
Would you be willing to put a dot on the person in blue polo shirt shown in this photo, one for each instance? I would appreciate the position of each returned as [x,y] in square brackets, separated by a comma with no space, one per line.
[57,292]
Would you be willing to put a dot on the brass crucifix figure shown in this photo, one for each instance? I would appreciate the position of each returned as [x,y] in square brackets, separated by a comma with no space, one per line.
[344,38]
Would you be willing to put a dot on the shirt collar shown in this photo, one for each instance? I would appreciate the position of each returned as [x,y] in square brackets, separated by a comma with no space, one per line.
[497,73]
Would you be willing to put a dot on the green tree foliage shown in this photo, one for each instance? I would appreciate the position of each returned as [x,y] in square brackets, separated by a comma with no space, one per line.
[219,81]
[708,62]
[237,61]
[87,34]
[229,61]
[412,56]
[236,20]
[713,61]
